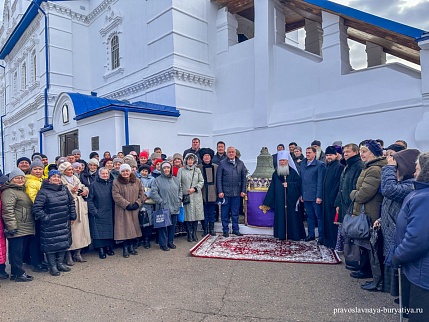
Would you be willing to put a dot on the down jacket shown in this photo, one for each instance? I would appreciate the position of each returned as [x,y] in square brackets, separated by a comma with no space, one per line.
[16,210]
[191,177]
[412,238]
[394,193]
[231,178]
[367,191]
[100,207]
[167,192]
[54,207]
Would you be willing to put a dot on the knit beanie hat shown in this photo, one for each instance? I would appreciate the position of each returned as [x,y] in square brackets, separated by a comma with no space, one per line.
[155,156]
[52,173]
[396,147]
[23,159]
[118,160]
[374,147]
[76,151]
[3,179]
[406,160]
[237,153]
[130,161]
[165,164]
[330,150]
[61,160]
[63,166]
[155,162]
[177,156]
[76,165]
[338,143]
[123,167]
[339,149]
[94,161]
[144,154]
[424,166]
[37,162]
[16,173]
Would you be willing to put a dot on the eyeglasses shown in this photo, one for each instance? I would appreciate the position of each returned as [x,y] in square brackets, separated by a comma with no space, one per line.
[19,178]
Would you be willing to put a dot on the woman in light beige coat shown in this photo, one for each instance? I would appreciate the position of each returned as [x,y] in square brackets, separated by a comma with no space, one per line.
[81,236]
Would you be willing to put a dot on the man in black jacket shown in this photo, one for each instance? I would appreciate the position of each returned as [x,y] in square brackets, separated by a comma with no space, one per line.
[231,185]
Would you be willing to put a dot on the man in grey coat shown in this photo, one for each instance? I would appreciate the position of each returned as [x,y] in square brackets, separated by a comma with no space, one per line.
[231,185]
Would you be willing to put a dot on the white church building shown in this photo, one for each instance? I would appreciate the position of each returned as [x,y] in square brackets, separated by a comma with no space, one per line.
[100,74]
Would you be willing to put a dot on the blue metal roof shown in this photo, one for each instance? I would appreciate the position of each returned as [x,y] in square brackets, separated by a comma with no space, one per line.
[87,105]
[368,18]
[22,26]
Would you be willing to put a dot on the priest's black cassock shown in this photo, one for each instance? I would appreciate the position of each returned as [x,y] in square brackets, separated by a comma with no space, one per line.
[331,184]
[275,200]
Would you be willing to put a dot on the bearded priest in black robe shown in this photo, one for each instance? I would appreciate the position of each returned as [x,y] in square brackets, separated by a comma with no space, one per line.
[286,178]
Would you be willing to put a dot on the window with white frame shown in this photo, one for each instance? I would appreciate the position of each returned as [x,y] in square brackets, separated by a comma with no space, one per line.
[114,49]
[23,76]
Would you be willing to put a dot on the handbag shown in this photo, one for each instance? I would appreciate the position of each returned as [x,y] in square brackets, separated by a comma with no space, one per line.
[161,218]
[186,198]
[356,227]
[352,254]
[143,217]
[181,216]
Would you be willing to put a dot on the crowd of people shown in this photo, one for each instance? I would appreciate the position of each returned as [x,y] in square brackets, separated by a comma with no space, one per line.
[52,212]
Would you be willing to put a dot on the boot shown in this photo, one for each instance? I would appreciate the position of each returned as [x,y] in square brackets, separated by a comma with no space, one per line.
[131,249]
[188,230]
[125,253]
[146,242]
[60,263]
[205,228]
[211,229]
[101,253]
[78,257]
[52,261]
[194,231]
[109,251]
[69,259]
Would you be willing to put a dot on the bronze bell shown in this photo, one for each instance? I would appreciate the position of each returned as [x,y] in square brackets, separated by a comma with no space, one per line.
[264,165]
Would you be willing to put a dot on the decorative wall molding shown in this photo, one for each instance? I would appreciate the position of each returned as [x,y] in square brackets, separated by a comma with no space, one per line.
[29,32]
[117,71]
[112,20]
[65,11]
[172,74]
[99,10]
[25,111]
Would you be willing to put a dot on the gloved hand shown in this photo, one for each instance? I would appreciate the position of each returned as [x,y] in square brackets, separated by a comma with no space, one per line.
[132,207]
[12,232]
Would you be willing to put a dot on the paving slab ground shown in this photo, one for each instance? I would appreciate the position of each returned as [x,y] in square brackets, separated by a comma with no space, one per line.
[173,286]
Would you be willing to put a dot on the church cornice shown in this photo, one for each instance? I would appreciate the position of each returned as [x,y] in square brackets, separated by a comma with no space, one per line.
[65,11]
[25,111]
[99,9]
[35,24]
[173,74]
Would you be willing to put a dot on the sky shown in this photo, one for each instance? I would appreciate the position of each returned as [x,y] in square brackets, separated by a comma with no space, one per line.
[409,12]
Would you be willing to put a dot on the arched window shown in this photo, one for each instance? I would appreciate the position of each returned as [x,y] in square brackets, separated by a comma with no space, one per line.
[23,76]
[114,49]
[65,113]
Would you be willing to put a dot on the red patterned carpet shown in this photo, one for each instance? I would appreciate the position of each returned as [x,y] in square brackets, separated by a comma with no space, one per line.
[264,248]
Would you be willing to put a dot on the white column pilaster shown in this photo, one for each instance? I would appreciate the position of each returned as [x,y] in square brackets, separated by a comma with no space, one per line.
[227,25]
[375,54]
[313,37]
[422,132]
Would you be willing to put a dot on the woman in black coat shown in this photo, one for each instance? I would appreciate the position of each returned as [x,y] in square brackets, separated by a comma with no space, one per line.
[55,208]
[100,206]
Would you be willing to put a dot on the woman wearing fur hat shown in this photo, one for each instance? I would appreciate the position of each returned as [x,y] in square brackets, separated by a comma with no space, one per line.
[18,221]
[208,170]
[127,192]
[90,174]
[367,193]
[32,187]
[54,208]
[192,182]
[81,236]
[166,192]
[396,183]
[412,240]
[177,163]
